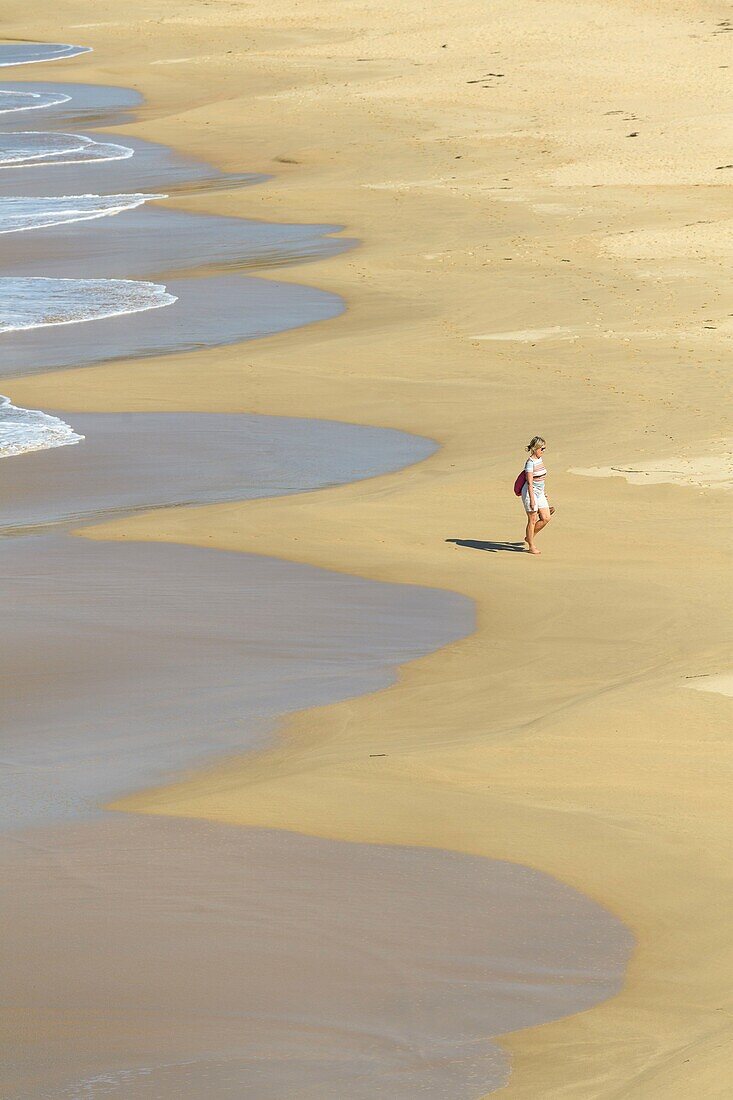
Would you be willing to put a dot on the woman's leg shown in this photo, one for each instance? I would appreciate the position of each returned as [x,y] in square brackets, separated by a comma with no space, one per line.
[529,535]
[543,520]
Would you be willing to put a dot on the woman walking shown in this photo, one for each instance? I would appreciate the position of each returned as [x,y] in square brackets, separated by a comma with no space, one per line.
[534,497]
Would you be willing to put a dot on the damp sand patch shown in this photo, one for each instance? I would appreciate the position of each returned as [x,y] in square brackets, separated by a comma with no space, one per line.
[707,472]
[530,335]
[720,683]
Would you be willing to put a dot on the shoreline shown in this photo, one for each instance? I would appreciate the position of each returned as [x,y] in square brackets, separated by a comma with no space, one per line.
[131,463]
[648,800]
[157,659]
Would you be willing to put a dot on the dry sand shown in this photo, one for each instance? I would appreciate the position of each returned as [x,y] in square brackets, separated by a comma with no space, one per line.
[489,159]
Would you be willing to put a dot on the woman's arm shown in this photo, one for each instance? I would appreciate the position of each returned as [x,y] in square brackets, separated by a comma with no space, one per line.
[530,489]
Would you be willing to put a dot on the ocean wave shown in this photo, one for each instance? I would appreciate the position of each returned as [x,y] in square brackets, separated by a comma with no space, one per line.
[27,53]
[20,213]
[38,303]
[28,148]
[24,430]
[29,101]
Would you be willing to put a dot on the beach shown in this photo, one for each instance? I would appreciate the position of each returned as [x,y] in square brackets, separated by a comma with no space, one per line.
[535,232]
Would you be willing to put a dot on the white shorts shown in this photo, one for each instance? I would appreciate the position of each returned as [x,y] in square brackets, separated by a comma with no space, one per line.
[539,498]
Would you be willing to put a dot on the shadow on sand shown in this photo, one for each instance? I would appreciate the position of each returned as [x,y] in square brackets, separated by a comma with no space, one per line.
[493,547]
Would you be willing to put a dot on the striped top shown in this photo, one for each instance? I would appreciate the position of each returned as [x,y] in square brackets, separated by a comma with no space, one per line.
[536,467]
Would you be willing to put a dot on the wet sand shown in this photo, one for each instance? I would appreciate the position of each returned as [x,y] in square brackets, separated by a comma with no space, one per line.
[182,960]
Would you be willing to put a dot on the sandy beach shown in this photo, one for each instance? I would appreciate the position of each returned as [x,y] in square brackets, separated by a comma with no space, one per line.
[540,200]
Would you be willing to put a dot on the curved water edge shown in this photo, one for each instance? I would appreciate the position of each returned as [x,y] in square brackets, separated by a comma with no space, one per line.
[26,430]
[160,657]
[22,213]
[211,313]
[30,148]
[87,105]
[132,462]
[12,101]
[28,53]
[205,313]
[180,655]
[50,303]
[150,166]
[151,239]
[366,971]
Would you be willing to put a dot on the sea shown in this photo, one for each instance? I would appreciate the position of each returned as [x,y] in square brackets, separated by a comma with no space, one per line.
[27,303]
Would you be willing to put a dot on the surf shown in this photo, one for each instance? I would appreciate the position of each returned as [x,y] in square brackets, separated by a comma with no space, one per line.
[27,148]
[24,213]
[24,430]
[28,303]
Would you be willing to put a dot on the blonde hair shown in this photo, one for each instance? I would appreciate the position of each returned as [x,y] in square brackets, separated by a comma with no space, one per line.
[535,442]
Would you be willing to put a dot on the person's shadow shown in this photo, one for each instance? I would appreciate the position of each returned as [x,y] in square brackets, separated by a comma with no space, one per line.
[492,547]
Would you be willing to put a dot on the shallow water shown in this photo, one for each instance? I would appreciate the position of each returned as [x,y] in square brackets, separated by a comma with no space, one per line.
[70,105]
[211,311]
[156,240]
[19,214]
[206,313]
[132,461]
[30,304]
[23,100]
[148,167]
[152,657]
[25,430]
[30,148]
[181,960]
[25,53]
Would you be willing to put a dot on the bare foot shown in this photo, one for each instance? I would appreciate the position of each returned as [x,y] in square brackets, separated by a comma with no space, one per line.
[532,549]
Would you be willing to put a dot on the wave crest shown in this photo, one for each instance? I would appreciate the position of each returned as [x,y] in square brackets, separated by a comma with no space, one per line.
[19,213]
[24,430]
[27,148]
[27,303]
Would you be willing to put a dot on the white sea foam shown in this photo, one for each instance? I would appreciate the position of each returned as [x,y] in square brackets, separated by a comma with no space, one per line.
[27,303]
[30,101]
[28,148]
[20,213]
[24,430]
[27,53]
